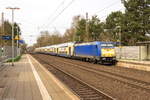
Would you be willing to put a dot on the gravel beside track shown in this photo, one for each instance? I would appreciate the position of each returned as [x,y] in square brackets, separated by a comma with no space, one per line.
[120,83]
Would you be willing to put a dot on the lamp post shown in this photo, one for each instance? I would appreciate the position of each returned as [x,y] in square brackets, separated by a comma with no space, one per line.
[12,9]
[119,27]
[87,28]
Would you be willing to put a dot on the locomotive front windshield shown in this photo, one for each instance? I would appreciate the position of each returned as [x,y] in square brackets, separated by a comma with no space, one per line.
[107,45]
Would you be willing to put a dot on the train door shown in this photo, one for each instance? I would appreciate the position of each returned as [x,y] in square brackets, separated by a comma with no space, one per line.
[69,50]
[57,51]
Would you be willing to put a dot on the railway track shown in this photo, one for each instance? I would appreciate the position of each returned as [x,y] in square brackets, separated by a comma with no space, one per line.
[83,90]
[112,83]
[135,83]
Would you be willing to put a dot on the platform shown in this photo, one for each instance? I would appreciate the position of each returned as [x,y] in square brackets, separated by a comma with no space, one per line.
[29,80]
[135,64]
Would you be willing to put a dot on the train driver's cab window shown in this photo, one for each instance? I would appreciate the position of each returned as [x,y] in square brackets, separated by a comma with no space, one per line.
[107,45]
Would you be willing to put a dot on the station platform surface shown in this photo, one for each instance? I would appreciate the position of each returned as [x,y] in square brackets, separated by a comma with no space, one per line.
[136,64]
[29,80]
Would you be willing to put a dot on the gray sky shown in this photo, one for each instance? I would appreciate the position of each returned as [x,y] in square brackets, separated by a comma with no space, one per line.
[37,15]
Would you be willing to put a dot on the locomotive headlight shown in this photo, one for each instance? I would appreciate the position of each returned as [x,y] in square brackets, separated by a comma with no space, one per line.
[103,58]
[114,58]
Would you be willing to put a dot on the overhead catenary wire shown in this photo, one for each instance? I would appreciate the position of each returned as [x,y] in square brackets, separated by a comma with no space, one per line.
[46,25]
[107,7]
[54,11]
[108,15]
[54,19]
[112,4]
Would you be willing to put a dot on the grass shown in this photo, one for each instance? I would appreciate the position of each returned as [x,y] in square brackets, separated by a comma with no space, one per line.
[17,58]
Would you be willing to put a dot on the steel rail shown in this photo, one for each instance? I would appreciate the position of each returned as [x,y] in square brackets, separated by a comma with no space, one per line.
[77,79]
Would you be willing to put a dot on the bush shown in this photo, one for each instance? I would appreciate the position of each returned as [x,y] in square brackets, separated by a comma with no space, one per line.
[15,59]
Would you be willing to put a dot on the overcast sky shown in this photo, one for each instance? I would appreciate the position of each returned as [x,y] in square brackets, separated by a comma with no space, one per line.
[37,15]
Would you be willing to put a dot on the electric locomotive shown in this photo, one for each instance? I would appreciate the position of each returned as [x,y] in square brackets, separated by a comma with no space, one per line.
[101,52]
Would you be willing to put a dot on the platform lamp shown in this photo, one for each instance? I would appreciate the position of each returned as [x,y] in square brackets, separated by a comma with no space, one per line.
[12,9]
[120,38]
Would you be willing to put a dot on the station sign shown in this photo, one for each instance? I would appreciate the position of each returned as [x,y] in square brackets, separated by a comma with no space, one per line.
[17,37]
[6,37]
[21,41]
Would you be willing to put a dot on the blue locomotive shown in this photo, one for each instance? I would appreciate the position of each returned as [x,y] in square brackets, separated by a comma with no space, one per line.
[98,52]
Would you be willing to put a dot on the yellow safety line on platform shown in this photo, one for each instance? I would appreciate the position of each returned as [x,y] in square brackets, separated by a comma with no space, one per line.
[56,81]
[40,84]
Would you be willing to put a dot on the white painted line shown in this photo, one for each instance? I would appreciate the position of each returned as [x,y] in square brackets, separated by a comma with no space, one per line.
[56,81]
[40,84]
[22,62]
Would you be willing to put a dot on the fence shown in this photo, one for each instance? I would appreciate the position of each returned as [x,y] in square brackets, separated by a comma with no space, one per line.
[6,53]
[133,52]
[2,57]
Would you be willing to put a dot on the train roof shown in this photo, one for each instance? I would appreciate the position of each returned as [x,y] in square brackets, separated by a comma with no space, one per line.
[57,45]
[93,43]
[75,43]
[65,44]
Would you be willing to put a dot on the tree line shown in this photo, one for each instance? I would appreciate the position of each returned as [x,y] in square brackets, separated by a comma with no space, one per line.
[6,30]
[128,28]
